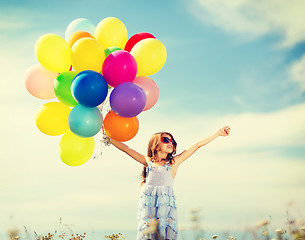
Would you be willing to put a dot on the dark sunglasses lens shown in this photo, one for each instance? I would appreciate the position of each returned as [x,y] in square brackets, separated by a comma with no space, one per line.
[165,139]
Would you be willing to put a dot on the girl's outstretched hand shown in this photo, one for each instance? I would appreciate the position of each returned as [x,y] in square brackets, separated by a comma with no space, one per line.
[224,131]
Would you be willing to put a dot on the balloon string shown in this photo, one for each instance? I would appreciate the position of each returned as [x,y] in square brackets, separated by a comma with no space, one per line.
[104,107]
[102,140]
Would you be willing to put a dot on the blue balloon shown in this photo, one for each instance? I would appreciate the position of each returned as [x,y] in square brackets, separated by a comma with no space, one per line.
[89,88]
[84,121]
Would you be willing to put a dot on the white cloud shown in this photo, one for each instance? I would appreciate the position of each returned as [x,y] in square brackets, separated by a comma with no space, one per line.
[236,190]
[19,18]
[297,72]
[245,170]
[15,59]
[235,179]
[252,19]
[281,128]
[11,25]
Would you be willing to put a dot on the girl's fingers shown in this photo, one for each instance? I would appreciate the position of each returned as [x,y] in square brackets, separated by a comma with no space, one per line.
[227,130]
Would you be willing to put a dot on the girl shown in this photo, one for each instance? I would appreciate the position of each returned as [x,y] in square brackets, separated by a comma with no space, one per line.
[157,206]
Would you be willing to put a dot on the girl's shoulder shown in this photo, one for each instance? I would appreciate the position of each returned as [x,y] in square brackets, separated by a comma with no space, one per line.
[174,163]
[148,160]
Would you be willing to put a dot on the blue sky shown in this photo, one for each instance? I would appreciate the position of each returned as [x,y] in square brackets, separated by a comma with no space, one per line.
[235,63]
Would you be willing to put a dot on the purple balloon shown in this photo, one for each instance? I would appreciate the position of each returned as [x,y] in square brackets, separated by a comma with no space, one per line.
[127,100]
[119,67]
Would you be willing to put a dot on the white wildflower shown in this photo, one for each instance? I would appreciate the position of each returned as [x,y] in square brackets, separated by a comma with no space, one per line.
[262,223]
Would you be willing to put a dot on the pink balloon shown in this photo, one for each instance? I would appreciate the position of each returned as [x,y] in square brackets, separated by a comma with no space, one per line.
[119,67]
[151,90]
[39,82]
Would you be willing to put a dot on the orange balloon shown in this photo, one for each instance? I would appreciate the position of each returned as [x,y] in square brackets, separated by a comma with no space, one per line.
[120,128]
[77,35]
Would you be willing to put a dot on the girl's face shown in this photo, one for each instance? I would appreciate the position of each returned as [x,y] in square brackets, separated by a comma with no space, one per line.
[166,144]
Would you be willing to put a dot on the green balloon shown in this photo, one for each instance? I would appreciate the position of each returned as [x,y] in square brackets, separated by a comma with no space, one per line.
[62,88]
[110,50]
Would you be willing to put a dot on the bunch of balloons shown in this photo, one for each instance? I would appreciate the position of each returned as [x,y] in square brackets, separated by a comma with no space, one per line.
[79,71]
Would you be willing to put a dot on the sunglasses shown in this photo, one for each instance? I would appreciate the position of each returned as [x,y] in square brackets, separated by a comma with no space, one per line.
[167,140]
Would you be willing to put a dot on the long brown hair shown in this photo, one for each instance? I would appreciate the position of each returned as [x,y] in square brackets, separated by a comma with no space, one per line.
[152,151]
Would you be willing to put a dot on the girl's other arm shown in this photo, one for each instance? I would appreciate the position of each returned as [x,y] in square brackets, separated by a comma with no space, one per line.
[132,153]
[190,151]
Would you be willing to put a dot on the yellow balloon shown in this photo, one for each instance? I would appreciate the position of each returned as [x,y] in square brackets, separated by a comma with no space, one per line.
[53,53]
[111,32]
[52,118]
[88,54]
[75,150]
[150,55]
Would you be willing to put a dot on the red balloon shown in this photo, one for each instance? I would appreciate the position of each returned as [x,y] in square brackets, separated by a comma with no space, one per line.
[135,39]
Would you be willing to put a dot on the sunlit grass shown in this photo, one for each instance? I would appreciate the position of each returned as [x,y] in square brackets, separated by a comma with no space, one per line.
[291,229]
[262,231]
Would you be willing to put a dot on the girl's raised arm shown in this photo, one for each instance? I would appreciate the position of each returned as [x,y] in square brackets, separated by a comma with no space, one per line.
[188,152]
[132,153]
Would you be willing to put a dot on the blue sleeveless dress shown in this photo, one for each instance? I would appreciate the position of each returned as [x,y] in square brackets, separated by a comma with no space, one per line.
[157,202]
